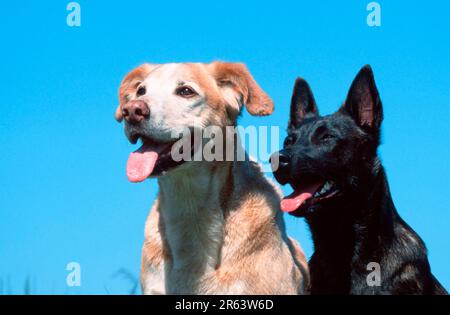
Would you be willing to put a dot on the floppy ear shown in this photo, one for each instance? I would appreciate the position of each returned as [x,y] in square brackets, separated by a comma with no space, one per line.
[236,78]
[302,103]
[363,102]
[129,85]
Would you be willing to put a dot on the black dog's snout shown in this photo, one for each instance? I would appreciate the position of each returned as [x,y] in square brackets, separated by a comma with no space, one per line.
[280,163]
[283,159]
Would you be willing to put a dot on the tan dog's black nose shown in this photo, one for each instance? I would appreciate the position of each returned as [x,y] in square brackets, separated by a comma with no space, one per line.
[135,111]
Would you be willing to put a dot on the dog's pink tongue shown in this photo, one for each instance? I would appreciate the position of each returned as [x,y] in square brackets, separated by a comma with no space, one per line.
[141,163]
[297,198]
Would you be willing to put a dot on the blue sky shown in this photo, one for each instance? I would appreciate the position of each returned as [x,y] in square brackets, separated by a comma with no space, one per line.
[64,195]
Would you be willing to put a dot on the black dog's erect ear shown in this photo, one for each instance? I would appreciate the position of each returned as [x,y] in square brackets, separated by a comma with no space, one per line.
[302,103]
[363,102]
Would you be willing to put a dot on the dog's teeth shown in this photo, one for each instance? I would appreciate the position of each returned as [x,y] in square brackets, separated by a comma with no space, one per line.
[325,188]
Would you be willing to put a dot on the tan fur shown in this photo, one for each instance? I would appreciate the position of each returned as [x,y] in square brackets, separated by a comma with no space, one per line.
[216,227]
[238,77]
[129,85]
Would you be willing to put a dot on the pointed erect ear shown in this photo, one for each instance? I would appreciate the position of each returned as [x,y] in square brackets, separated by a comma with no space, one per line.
[363,102]
[129,86]
[240,88]
[302,103]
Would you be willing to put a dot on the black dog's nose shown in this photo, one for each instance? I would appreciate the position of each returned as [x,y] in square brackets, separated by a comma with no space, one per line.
[280,162]
[283,159]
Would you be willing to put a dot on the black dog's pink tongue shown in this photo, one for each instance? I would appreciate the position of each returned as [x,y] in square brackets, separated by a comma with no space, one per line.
[297,198]
[141,162]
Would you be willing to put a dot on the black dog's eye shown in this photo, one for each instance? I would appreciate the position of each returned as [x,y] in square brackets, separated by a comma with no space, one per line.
[185,91]
[326,136]
[141,91]
[288,141]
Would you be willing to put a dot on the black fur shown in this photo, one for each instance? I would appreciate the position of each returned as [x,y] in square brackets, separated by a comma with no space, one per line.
[359,224]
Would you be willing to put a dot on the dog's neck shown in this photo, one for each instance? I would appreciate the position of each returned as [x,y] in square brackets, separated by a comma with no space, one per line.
[352,234]
[365,218]
[192,213]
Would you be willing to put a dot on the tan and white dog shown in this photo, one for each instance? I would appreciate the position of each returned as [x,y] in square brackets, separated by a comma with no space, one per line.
[216,227]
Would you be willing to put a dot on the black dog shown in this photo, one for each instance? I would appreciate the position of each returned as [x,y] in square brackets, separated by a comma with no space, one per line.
[340,187]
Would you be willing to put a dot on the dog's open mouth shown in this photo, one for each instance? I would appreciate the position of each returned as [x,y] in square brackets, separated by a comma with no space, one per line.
[153,158]
[306,195]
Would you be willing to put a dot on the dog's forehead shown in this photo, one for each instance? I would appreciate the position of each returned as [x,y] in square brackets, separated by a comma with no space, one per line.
[327,121]
[308,124]
[178,73]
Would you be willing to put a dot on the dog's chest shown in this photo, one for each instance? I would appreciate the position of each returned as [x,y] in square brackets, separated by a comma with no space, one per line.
[193,233]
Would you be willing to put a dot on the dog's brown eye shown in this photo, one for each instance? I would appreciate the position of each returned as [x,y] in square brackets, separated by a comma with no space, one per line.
[141,91]
[185,91]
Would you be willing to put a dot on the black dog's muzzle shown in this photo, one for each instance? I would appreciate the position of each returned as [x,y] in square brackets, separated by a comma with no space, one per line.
[281,164]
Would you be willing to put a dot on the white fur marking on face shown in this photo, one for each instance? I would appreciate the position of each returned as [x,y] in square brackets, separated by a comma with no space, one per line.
[171,113]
